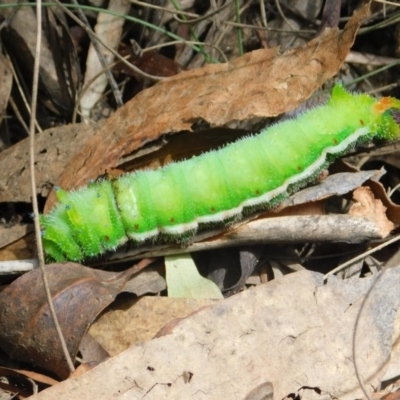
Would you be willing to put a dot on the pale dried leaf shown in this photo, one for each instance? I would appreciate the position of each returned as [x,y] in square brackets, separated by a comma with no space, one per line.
[133,321]
[336,184]
[108,29]
[293,332]
[368,206]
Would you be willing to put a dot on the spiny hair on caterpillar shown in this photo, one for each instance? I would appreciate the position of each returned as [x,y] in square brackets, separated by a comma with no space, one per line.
[252,174]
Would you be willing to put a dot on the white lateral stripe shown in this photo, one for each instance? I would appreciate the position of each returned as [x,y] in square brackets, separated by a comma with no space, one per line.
[308,171]
[221,216]
[179,229]
[265,198]
[142,236]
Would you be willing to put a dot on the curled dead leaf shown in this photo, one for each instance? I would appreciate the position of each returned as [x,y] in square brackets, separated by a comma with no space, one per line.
[367,205]
[27,331]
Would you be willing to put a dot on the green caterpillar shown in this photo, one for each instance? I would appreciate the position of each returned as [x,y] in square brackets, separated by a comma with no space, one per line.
[256,173]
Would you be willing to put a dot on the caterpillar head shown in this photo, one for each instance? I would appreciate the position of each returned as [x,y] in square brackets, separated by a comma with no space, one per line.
[368,111]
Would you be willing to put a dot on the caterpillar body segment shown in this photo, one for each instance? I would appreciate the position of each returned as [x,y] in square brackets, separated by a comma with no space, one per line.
[218,187]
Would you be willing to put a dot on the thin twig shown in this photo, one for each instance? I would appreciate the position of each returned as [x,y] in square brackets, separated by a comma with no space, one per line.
[163,9]
[111,80]
[390,3]
[263,13]
[361,256]
[213,13]
[35,85]
[90,32]
[239,30]
[278,6]
[24,99]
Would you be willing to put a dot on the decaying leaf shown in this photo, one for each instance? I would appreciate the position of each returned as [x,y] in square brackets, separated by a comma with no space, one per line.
[79,294]
[130,321]
[367,205]
[151,62]
[54,149]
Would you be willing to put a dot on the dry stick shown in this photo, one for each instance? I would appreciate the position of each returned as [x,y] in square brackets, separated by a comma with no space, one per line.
[163,9]
[361,256]
[263,13]
[217,22]
[199,19]
[24,99]
[34,199]
[278,6]
[391,3]
[91,33]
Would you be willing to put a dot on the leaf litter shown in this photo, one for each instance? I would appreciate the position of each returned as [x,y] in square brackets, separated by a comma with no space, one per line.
[291,320]
[213,94]
[79,294]
[293,331]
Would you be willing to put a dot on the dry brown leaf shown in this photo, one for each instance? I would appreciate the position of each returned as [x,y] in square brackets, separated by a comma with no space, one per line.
[379,191]
[264,391]
[22,248]
[259,84]
[10,234]
[393,210]
[127,322]
[368,206]
[54,149]
[91,351]
[150,62]
[79,294]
